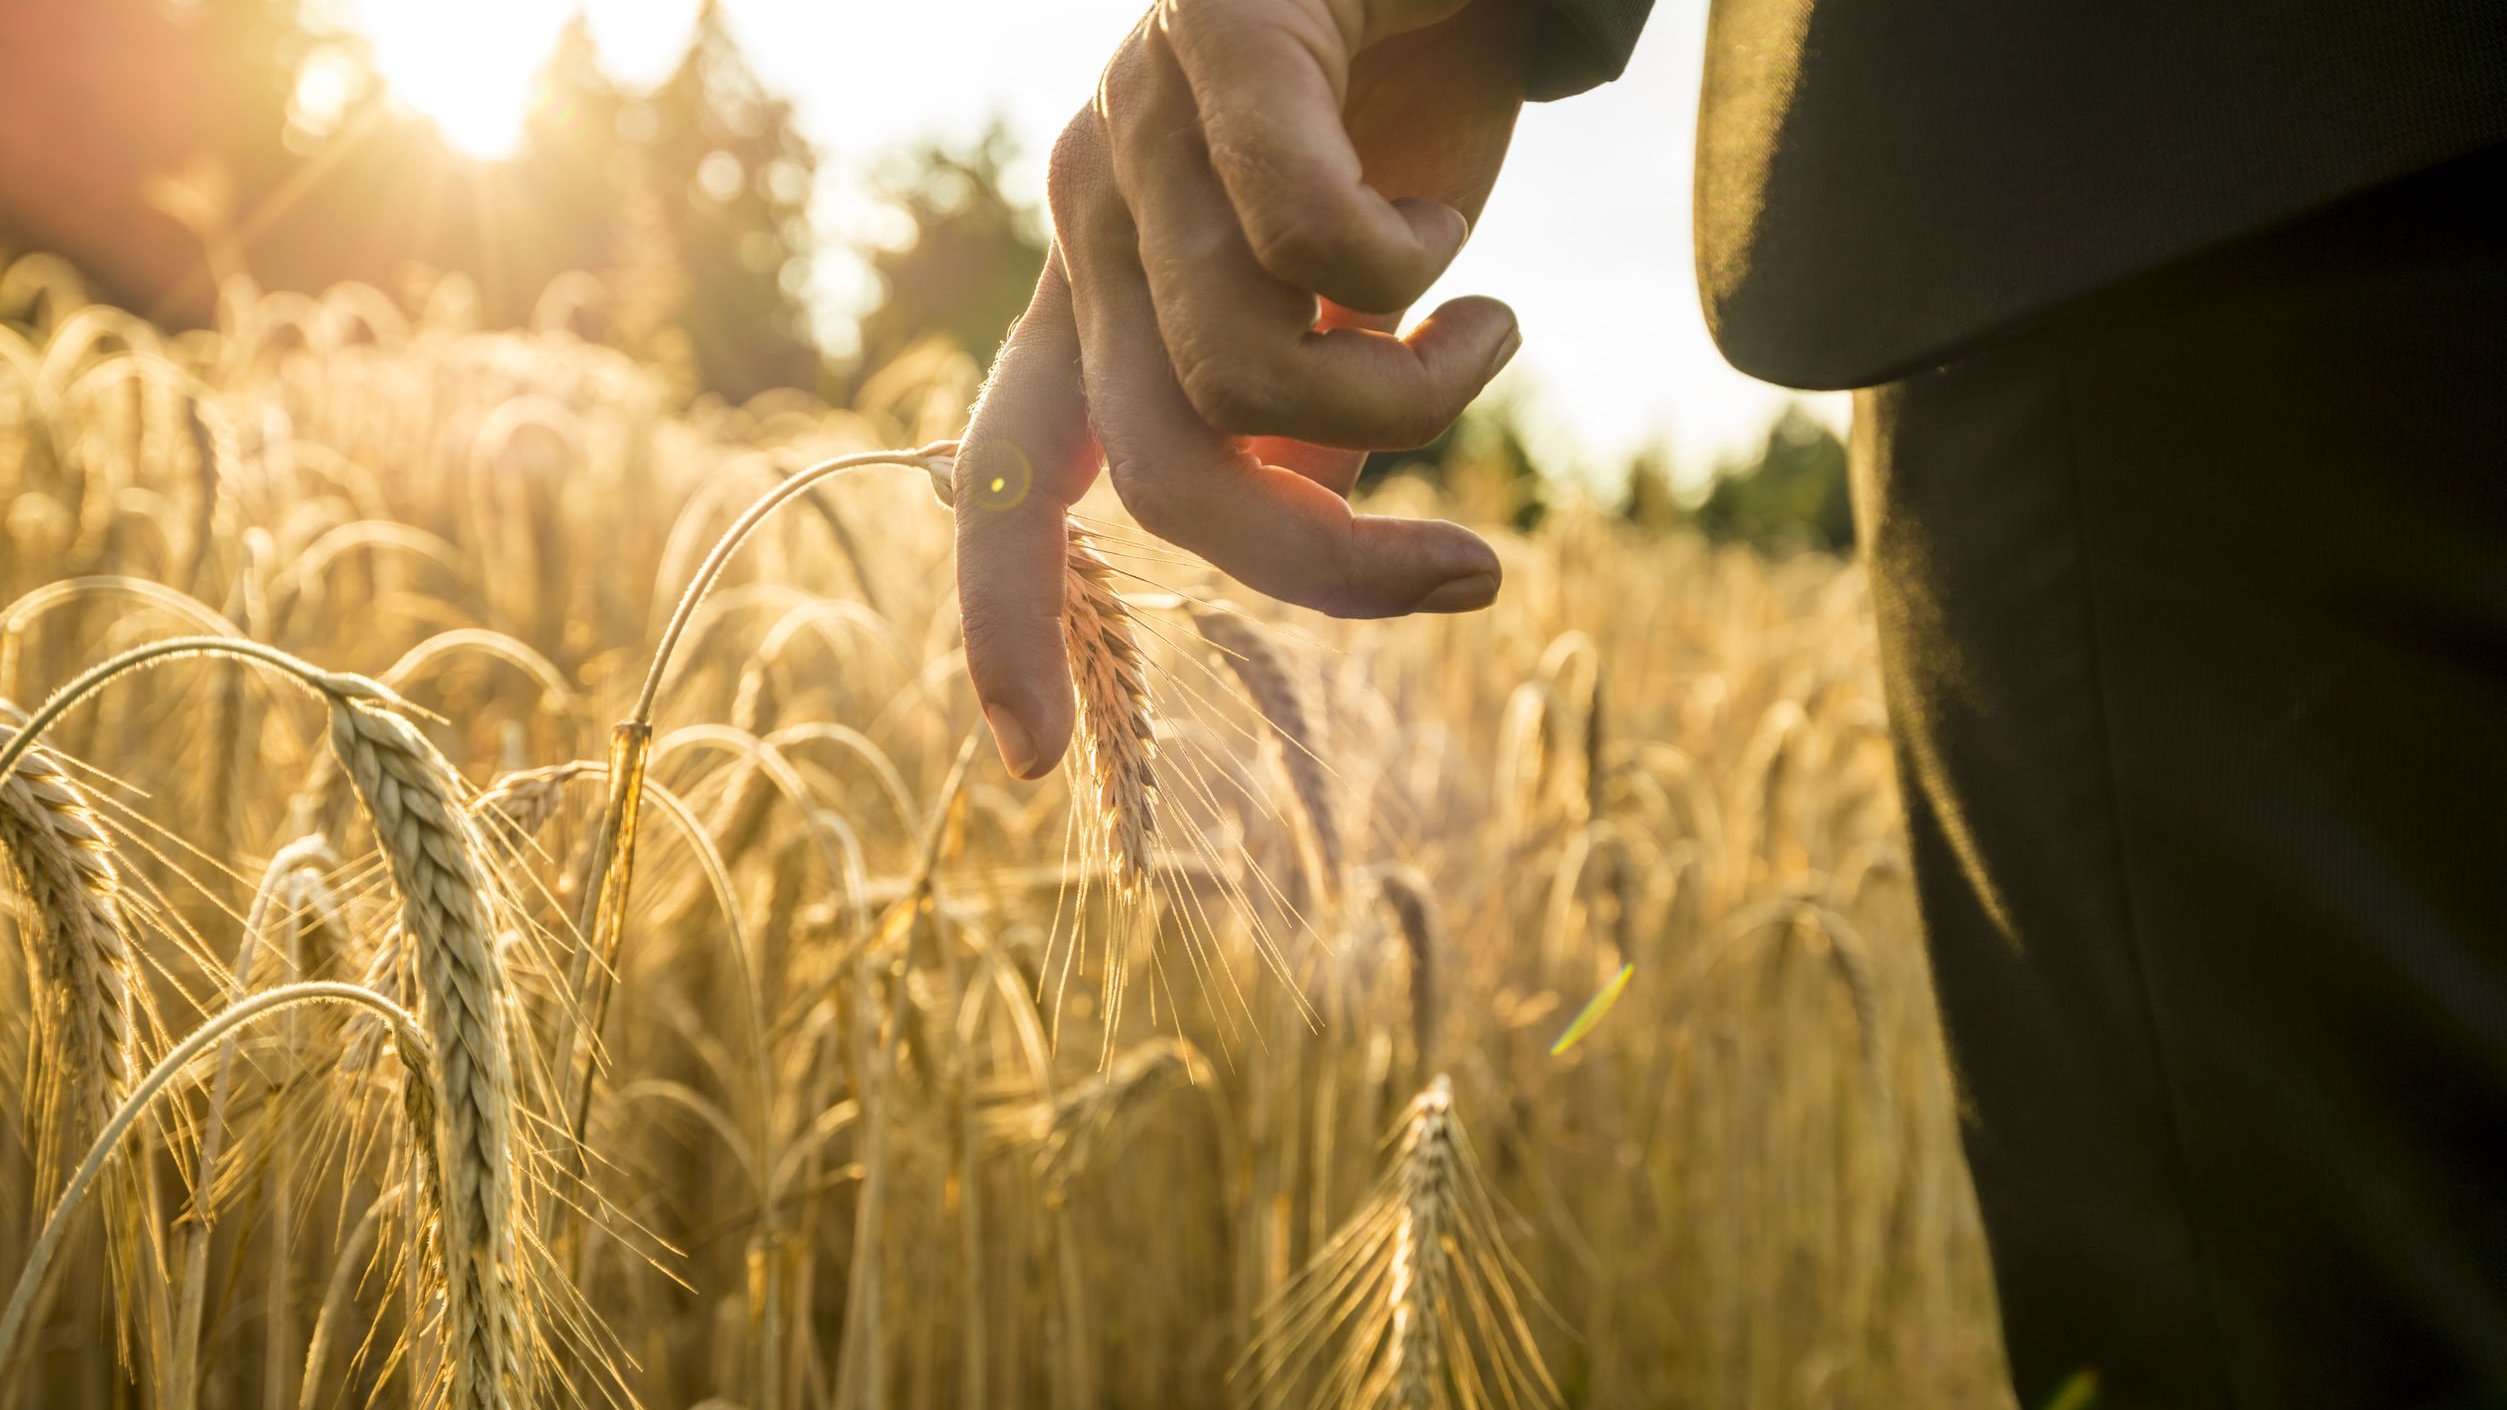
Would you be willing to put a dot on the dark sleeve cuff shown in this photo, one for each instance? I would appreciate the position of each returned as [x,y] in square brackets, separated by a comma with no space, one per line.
[1581,44]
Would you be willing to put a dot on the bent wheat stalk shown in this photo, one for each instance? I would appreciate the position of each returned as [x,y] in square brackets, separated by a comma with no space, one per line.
[415,1059]
[301,854]
[613,859]
[432,853]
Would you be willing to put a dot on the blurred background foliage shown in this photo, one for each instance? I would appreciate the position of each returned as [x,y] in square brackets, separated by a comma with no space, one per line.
[255,137]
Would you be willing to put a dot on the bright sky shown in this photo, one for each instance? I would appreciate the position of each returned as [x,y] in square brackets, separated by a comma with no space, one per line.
[1587,235]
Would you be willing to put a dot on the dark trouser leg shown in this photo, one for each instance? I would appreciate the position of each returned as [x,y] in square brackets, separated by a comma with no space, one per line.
[2194,620]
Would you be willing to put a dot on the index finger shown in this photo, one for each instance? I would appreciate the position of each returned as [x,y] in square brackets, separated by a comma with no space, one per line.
[1027,456]
[1269,79]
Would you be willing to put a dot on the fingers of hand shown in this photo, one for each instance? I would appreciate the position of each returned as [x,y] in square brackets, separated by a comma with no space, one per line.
[1245,343]
[1332,467]
[1026,456]
[1276,531]
[1267,78]
[1090,362]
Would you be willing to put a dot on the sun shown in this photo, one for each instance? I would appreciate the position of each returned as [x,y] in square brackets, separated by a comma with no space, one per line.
[467,65]
[470,65]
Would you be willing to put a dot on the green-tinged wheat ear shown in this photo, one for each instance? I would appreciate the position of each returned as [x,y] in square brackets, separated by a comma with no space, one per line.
[433,856]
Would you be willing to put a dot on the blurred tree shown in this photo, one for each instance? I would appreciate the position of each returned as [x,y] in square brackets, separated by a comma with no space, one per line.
[966,272]
[1649,502]
[192,140]
[571,158]
[1791,495]
[734,176]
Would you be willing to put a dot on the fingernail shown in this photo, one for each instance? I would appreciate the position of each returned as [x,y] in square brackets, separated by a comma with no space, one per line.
[1018,750]
[1468,593]
[1506,350]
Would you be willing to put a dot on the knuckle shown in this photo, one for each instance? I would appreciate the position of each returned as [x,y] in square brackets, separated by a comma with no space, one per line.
[1232,390]
[1127,76]
[1154,499]
[1420,405]
[1300,244]
[1188,27]
[1077,189]
[1072,152]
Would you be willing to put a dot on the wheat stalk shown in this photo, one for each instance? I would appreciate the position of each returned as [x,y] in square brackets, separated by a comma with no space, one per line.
[414,1057]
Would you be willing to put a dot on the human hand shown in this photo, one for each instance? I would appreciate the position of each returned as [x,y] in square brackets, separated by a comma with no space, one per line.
[1258,192]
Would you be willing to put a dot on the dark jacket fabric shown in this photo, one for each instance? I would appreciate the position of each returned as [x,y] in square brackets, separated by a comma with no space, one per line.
[2192,600]
[2180,484]
[1882,181]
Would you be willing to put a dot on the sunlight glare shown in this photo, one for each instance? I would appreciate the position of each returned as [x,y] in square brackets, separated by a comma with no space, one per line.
[469,65]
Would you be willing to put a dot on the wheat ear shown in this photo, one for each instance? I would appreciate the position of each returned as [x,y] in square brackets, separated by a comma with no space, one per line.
[1116,730]
[1413,1304]
[86,1031]
[1417,1362]
[432,853]
[1264,672]
[1407,894]
[523,802]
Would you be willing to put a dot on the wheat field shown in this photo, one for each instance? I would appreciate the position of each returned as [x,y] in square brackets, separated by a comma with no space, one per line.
[457,963]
